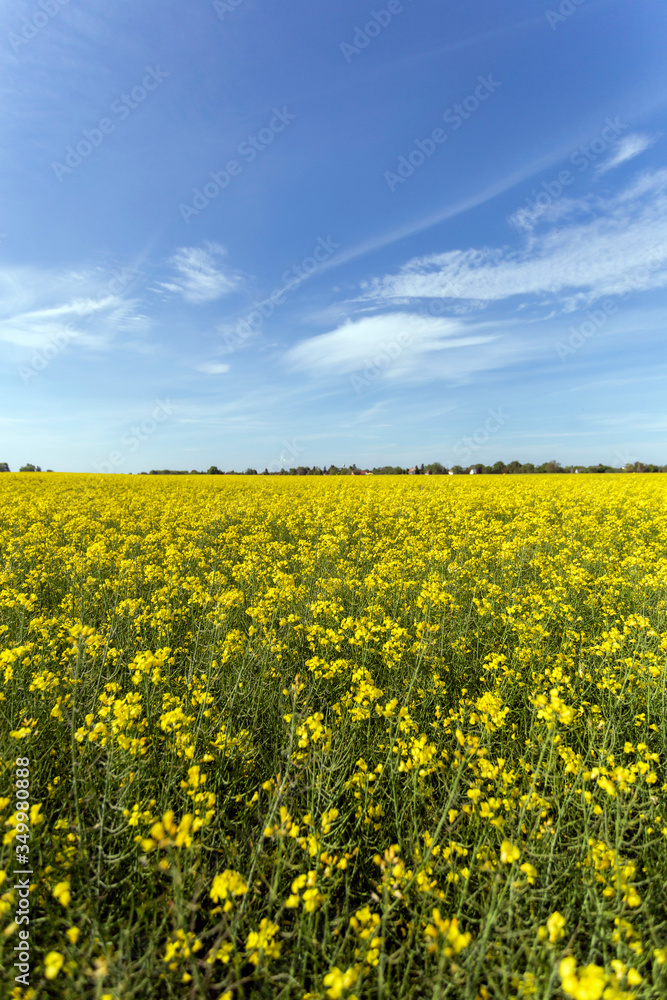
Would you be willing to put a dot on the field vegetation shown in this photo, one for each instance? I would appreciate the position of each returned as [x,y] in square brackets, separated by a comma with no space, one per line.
[333,738]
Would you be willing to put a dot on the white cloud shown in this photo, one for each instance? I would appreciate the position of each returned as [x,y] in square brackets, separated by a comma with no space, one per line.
[212,368]
[199,277]
[626,149]
[619,246]
[634,421]
[42,307]
[526,218]
[599,246]
[393,344]
[507,182]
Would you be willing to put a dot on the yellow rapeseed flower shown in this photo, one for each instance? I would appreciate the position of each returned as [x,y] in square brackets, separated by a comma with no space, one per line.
[509,852]
[555,925]
[53,963]
[61,891]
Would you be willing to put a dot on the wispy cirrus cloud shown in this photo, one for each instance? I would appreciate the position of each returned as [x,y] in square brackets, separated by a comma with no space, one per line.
[599,242]
[211,368]
[626,149]
[576,252]
[405,341]
[199,276]
[37,306]
[633,421]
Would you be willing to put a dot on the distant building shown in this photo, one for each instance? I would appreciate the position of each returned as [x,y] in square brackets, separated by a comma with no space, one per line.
[450,472]
[412,471]
[473,472]
[428,472]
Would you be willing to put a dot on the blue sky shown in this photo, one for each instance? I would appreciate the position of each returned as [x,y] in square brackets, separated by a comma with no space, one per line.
[250,233]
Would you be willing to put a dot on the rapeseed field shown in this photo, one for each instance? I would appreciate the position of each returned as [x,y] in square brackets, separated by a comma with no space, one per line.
[334,737]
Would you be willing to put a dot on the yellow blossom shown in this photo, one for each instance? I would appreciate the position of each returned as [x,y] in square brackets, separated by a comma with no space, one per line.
[555,925]
[53,963]
[509,852]
[61,891]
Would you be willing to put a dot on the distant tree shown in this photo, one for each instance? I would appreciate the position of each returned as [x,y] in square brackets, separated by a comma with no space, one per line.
[30,468]
[251,472]
[436,469]
[514,467]
[266,472]
[457,470]
[527,468]
[214,471]
[4,467]
[498,468]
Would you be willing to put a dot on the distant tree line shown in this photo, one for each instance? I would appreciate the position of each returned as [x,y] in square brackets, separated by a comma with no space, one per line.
[4,467]
[434,469]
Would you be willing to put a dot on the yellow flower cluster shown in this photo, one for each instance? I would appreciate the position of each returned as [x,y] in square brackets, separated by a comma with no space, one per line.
[446,934]
[590,982]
